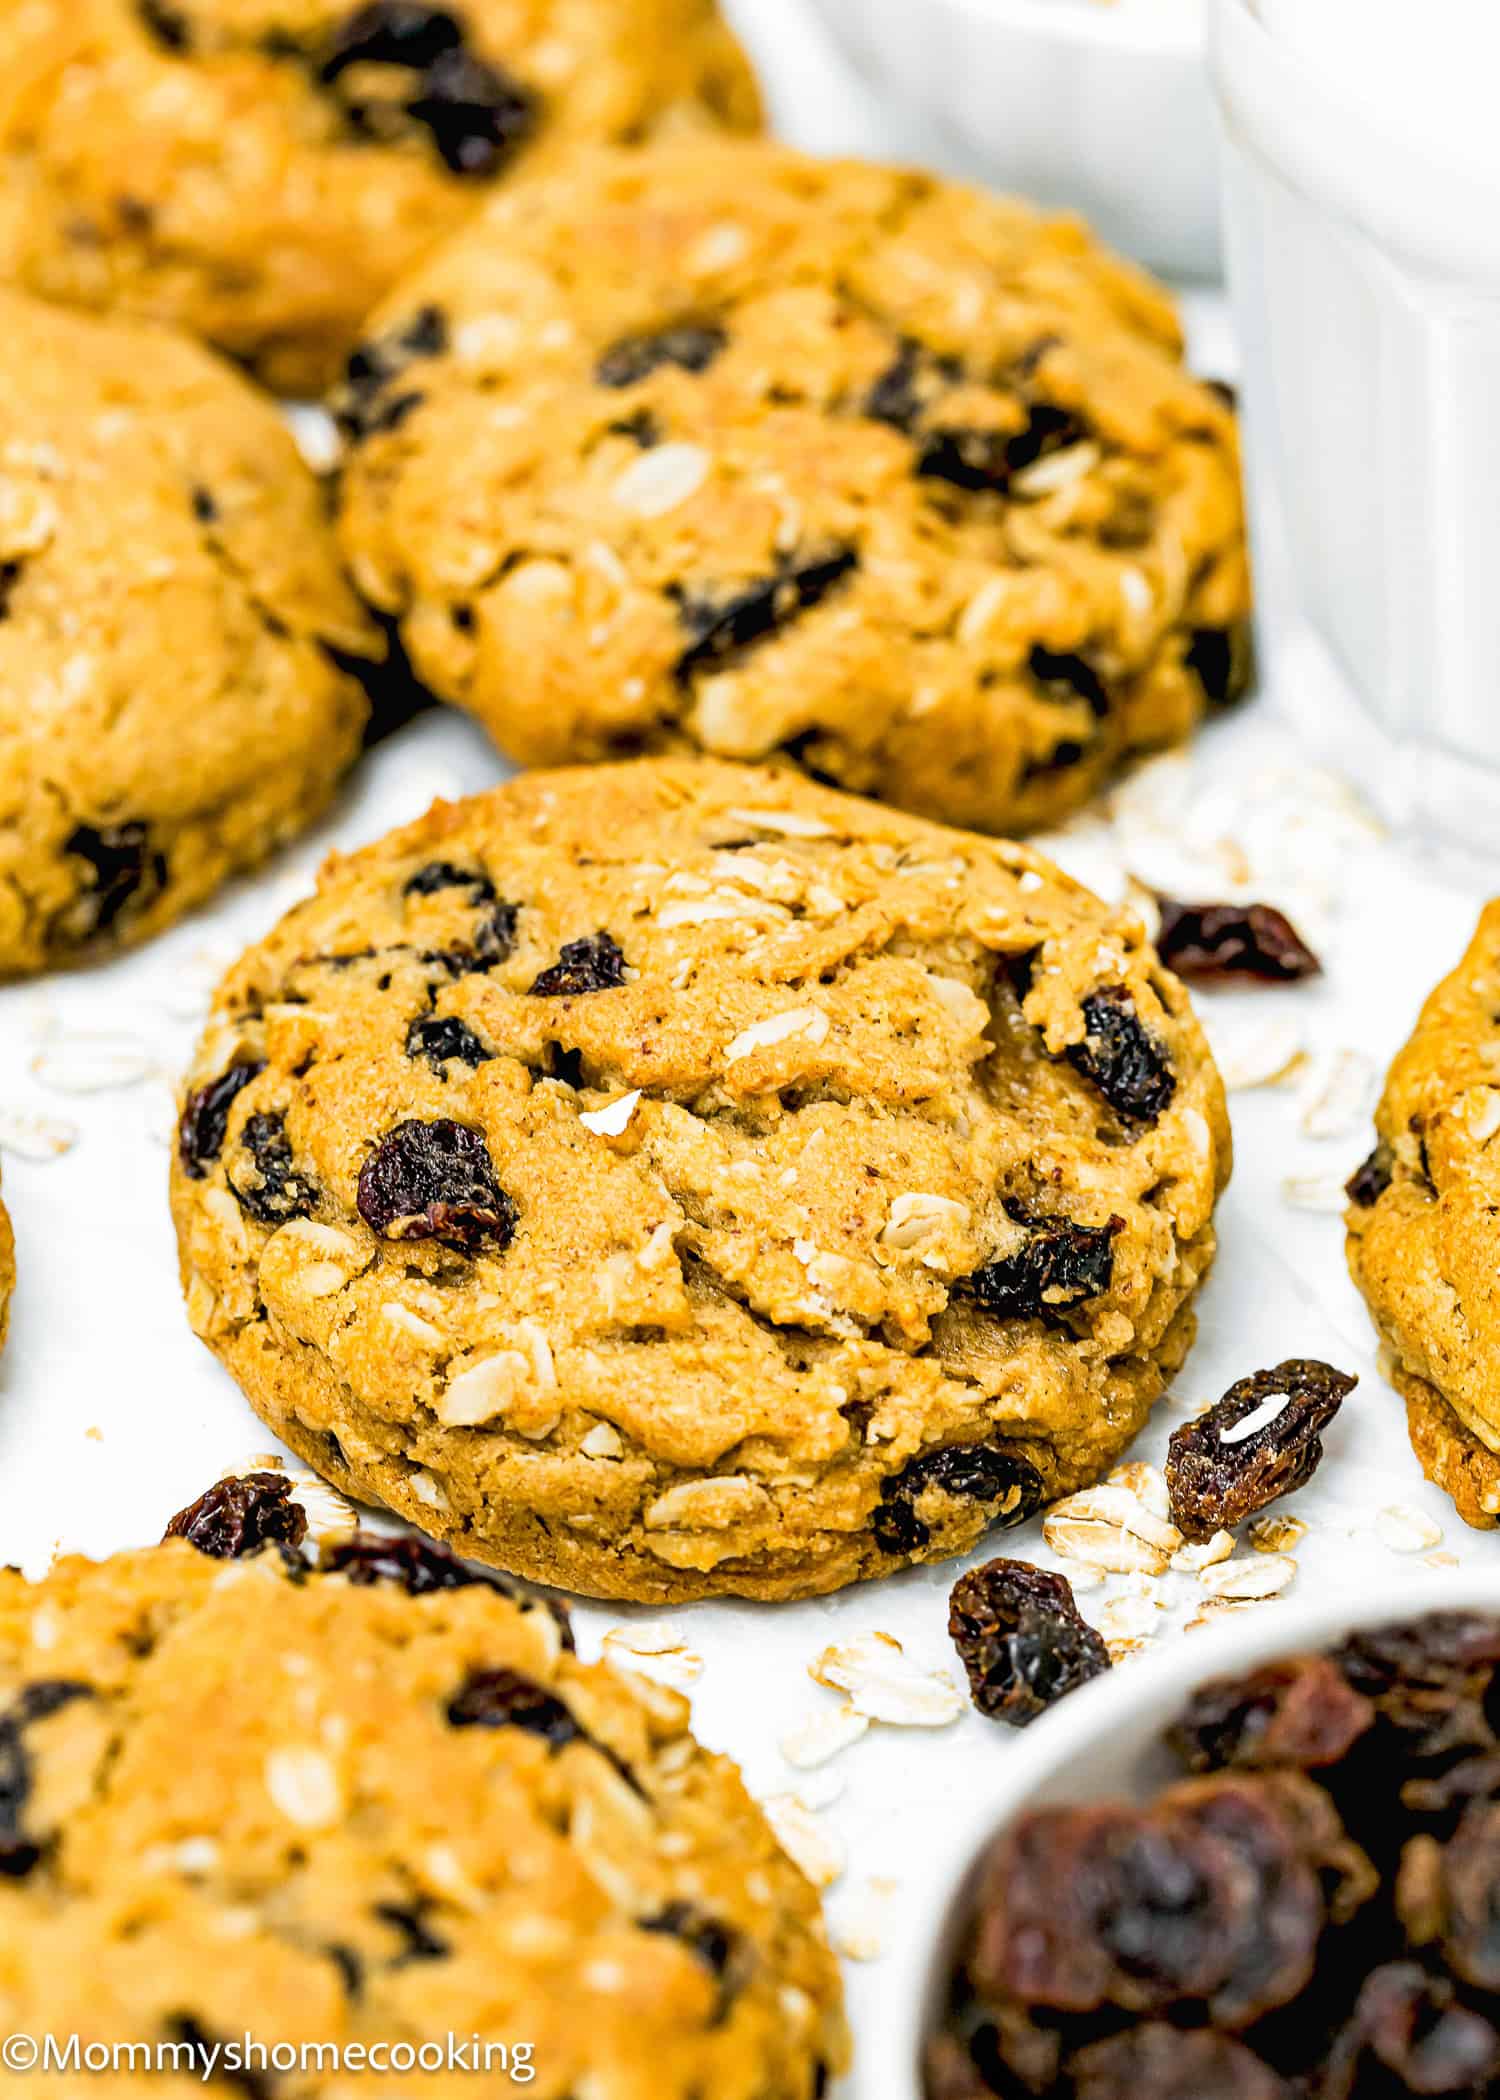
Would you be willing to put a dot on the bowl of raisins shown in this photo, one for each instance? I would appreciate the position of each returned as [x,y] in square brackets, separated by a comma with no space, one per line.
[1261,1866]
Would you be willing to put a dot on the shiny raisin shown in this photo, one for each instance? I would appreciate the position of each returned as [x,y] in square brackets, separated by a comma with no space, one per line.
[593,964]
[266,1179]
[1058,1264]
[238,1516]
[204,1122]
[1009,1484]
[422,1566]
[1371,1178]
[1021,1639]
[435,1181]
[1121,1057]
[506,1699]
[1302,1712]
[1245,1451]
[1210,942]
[443,1038]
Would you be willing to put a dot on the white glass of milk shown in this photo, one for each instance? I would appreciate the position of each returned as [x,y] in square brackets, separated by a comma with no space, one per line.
[1363,209]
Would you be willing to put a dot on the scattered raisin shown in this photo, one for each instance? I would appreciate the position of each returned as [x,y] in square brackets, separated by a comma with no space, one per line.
[1303,1712]
[435,1181]
[691,346]
[205,1118]
[441,1037]
[123,870]
[593,964]
[1372,1177]
[505,1699]
[239,1515]
[268,1183]
[967,1473]
[1219,1474]
[1064,675]
[35,1702]
[1021,1639]
[722,624]
[422,1566]
[1121,1057]
[1207,942]
[1058,1264]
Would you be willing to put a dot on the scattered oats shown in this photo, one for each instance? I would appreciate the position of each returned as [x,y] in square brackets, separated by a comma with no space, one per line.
[36,1137]
[661,479]
[1324,1193]
[653,1651]
[1342,1096]
[1121,1651]
[884,1685]
[1081,1578]
[611,1120]
[328,1515]
[1127,1619]
[808,1021]
[305,1787]
[1248,1581]
[1207,1553]
[1108,1528]
[1214,1610]
[1258,1417]
[806,1841]
[1265,1053]
[1440,1560]
[859,1929]
[1407,1530]
[822,1735]
[1147,1483]
[1276,1534]
[819,1790]
[784,823]
[93,1064]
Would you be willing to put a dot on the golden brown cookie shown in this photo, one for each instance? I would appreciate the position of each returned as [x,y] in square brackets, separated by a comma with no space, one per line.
[262,171]
[677,1178]
[1424,1228]
[172,705]
[376,1806]
[729,449]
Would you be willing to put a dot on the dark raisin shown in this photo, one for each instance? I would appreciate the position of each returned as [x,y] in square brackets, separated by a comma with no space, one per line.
[593,964]
[642,429]
[478,116]
[1021,1639]
[1222,659]
[1410,2033]
[393,33]
[373,367]
[211,2058]
[441,1037]
[1218,1473]
[505,1699]
[691,346]
[165,25]
[910,385]
[1372,1177]
[1064,675]
[1157,2062]
[1302,1712]
[267,1181]
[391,687]
[1470,1895]
[205,1118]
[1212,941]
[205,510]
[714,1944]
[1058,1264]
[35,1702]
[10,576]
[419,1943]
[422,1567]
[123,870]
[967,1473]
[1121,1057]
[724,623]
[1066,752]
[238,1516]
[1432,1680]
[981,461]
[435,876]
[435,1181]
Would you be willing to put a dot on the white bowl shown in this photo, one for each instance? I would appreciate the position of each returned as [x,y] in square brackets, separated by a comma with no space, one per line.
[1101,109]
[1106,1740]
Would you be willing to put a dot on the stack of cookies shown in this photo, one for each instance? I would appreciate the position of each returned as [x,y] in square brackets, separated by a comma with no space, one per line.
[698,1170]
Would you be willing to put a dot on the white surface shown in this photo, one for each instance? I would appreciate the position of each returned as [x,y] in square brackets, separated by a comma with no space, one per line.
[112,1415]
[1367,280]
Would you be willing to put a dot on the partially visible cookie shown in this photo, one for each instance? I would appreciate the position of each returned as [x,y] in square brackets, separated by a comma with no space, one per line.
[376,1805]
[174,701]
[260,172]
[1424,1229]
[733,450]
[675,1178]
[7,1271]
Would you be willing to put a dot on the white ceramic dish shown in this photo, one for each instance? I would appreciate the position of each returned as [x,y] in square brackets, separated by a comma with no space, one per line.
[1106,1740]
[1102,106]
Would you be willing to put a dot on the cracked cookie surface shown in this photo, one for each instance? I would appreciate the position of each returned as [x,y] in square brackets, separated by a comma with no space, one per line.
[209,1828]
[734,450]
[261,172]
[1424,1229]
[171,608]
[677,1178]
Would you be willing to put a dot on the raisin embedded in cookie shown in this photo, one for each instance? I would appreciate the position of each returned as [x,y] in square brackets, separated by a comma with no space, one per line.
[262,171]
[738,451]
[675,1178]
[173,622]
[1424,1229]
[327,1804]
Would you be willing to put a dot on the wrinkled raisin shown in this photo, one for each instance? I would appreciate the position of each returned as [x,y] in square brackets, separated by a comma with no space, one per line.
[266,1180]
[35,1702]
[435,1181]
[1121,1057]
[360,405]
[1222,659]
[505,1699]
[441,1037]
[1157,2062]
[967,1473]
[1021,1639]
[1207,942]
[1062,674]
[419,1943]
[691,346]
[478,116]
[1432,1680]
[422,1566]
[910,385]
[434,876]
[1057,1265]
[166,25]
[593,964]
[123,870]
[239,1515]
[723,624]
[1372,1177]
[1302,1712]
[1412,2027]
[713,1944]
[205,1118]
[393,33]
[475,114]
[1471,1897]
[1219,1473]
[980,461]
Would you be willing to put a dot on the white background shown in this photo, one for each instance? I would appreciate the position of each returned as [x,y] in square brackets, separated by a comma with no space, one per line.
[112,1415]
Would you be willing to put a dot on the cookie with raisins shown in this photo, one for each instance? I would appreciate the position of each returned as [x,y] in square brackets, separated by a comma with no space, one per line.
[261,172]
[675,1178]
[253,1787]
[175,634]
[1424,1229]
[773,458]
